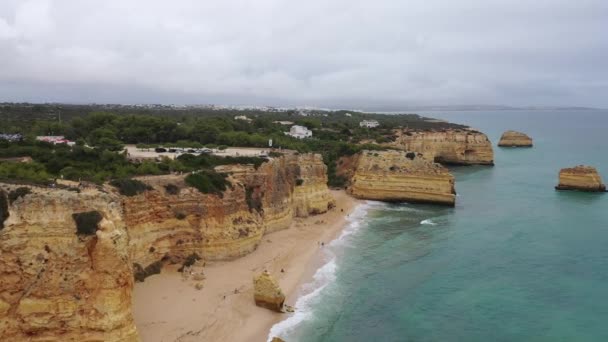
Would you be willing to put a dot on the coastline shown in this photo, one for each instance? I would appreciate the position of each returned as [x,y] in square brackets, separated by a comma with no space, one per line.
[167,308]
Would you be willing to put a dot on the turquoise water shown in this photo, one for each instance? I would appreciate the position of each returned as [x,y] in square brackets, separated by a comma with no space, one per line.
[513,261]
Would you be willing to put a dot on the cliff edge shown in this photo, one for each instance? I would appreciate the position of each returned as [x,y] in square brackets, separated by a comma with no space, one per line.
[397,176]
[450,146]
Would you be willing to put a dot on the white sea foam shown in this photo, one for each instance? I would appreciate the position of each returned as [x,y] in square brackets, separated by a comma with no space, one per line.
[428,222]
[323,276]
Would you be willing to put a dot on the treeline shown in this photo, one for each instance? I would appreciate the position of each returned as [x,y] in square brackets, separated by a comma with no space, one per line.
[100,137]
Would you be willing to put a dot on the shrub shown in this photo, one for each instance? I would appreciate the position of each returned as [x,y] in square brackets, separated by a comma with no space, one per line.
[87,222]
[190,260]
[274,154]
[299,181]
[18,193]
[130,187]
[3,208]
[172,189]
[140,273]
[208,182]
[410,155]
[180,215]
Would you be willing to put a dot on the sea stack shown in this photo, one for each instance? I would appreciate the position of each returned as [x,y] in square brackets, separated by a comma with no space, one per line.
[267,292]
[581,178]
[515,139]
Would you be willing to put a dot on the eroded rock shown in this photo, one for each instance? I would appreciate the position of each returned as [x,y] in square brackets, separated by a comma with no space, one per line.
[267,292]
[450,146]
[392,176]
[514,139]
[581,178]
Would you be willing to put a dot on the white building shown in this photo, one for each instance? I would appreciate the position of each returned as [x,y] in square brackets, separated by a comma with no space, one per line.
[299,132]
[369,123]
[242,117]
[55,139]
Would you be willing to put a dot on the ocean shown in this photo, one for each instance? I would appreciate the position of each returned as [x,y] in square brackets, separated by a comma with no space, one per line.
[515,260]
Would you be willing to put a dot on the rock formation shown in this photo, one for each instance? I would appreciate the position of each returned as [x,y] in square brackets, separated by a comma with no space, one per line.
[450,146]
[267,292]
[61,282]
[400,176]
[68,259]
[514,139]
[582,178]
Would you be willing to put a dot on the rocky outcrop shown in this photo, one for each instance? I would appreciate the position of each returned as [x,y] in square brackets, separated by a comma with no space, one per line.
[311,195]
[60,282]
[453,146]
[68,258]
[267,292]
[514,139]
[582,178]
[398,176]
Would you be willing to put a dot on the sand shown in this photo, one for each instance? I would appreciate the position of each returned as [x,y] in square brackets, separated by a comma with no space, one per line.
[168,308]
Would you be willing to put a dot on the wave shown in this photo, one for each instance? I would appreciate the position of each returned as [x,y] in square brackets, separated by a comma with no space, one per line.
[324,276]
[428,222]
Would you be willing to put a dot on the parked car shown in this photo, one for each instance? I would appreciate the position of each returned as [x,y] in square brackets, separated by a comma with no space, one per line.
[160,150]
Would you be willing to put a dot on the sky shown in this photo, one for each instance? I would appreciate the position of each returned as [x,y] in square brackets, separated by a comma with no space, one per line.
[324,53]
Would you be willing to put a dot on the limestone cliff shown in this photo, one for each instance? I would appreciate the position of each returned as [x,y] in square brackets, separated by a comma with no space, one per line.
[514,139]
[67,258]
[399,176]
[583,178]
[267,292]
[58,285]
[453,146]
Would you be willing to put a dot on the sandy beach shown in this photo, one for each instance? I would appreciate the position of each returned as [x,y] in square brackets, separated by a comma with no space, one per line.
[168,308]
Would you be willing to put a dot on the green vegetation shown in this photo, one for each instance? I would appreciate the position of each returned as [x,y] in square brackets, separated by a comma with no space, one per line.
[299,182]
[130,187]
[208,182]
[87,223]
[102,130]
[172,189]
[18,193]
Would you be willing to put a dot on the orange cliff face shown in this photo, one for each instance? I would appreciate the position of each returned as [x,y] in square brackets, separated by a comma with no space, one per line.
[58,285]
[397,176]
[514,139]
[582,178]
[453,146]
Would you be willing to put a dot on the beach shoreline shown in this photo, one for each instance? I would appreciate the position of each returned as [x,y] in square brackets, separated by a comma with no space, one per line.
[167,308]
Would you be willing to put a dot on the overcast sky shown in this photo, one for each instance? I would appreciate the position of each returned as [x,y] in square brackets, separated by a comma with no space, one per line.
[333,53]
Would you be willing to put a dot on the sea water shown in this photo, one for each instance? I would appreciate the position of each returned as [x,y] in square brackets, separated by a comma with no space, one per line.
[515,260]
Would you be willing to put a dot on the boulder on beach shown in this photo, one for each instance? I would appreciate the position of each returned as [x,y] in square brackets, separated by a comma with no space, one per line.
[582,178]
[515,139]
[267,292]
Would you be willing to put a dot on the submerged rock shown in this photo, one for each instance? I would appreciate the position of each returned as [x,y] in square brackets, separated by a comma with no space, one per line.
[582,178]
[515,139]
[267,292]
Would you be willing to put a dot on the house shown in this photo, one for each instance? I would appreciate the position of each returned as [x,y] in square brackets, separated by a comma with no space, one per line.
[55,139]
[285,123]
[11,137]
[348,114]
[243,118]
[299,132]
[369,123]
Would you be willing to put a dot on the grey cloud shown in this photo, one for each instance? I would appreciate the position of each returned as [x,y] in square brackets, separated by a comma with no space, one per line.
[327,53]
